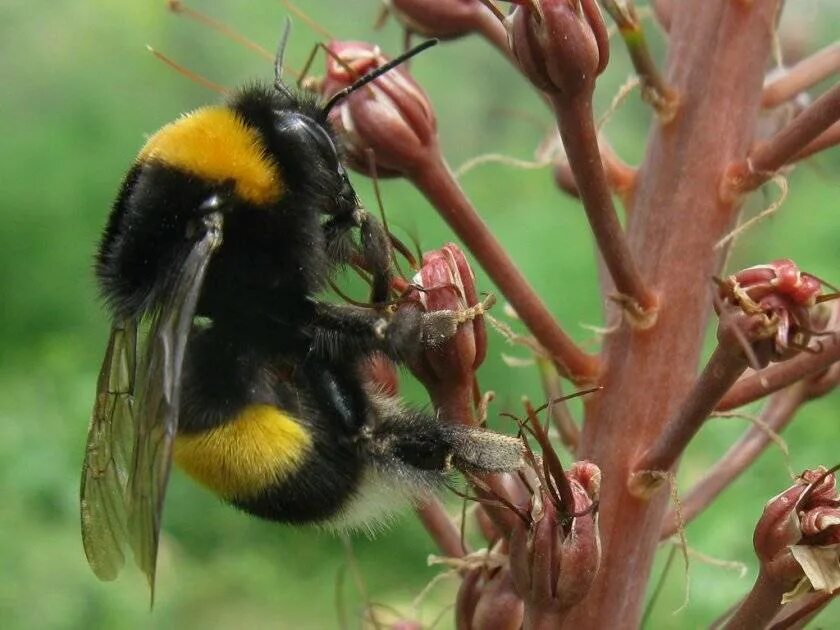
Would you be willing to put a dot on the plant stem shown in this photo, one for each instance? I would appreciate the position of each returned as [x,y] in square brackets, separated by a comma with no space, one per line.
[826,140]
[808,72]
[577,129]
[436,181]
[719,49]
[725,365]
[769,156]
[779,411]
[441,528]
[760,384]
[760,606]
[655,90]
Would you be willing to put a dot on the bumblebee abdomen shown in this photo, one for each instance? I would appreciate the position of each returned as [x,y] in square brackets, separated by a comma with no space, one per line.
[214,144]
[238,460]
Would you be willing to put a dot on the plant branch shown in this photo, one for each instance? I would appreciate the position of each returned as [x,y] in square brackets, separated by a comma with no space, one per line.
[655,90]
[723,368]
[797,614]
[804,74]
[768,157]
[780,410]
[760,606]
[436,181]
[621,177]
[441,528]
[826,140]
[577,129]
[759,384]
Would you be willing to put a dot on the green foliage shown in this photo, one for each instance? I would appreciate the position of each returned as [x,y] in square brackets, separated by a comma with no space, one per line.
[80,93]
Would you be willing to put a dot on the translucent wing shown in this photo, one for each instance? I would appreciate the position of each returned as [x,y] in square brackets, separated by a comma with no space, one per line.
[158,399]
[108,455]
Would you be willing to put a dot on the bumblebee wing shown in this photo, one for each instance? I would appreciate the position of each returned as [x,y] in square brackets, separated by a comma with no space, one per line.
[158,399]
[108,455]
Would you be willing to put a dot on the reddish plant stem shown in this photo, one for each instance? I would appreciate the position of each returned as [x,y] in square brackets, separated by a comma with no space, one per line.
[725,365]
[719,49]
[779,411]
[436,181]
[769,156]
[621,177]
[826,140]
[806,73]
[798,614]
[760,606]
[441,528]
[577,129]
[760,384]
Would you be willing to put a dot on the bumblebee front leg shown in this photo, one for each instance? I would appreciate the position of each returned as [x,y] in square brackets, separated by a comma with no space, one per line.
[341,331]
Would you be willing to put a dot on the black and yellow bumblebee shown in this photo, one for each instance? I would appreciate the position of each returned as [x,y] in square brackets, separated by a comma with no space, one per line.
[222,357]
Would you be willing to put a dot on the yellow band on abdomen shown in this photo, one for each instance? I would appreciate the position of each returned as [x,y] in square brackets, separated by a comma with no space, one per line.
[238,460]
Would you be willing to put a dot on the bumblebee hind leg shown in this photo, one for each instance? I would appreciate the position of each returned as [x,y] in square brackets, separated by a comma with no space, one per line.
[421,450]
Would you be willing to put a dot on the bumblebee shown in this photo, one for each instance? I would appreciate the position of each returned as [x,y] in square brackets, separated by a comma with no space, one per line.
[222,357]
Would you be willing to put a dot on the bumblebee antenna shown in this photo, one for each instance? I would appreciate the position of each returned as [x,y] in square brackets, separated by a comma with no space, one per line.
[278,61]
[375,74]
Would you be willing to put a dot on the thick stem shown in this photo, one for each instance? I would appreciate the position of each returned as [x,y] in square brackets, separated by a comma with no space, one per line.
[438,184]
[441,528]
[760,606]
[577,129]
[760,384]
[779,411]
[724,367]
[718,53]
[769,156]
[808,72]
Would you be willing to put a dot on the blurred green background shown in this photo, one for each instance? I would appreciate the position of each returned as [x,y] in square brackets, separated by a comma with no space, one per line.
[79,95]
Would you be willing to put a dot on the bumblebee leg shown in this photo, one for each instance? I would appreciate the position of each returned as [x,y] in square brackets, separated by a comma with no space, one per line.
[342,330]
[419,448]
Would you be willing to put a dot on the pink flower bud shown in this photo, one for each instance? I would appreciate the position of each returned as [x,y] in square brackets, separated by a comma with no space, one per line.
[555,560]
[798,527]
[560,45]
[446,283]
[391,116]
[444,19]
[497,605]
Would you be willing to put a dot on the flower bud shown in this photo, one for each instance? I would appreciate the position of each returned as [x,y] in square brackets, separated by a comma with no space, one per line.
[560,45]
[391,116]
[498,606]
[555,560]
[799,533]
[444,19]
[446,283]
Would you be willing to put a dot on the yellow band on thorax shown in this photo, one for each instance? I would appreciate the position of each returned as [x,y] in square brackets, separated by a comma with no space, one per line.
[238,460]
[214,144]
